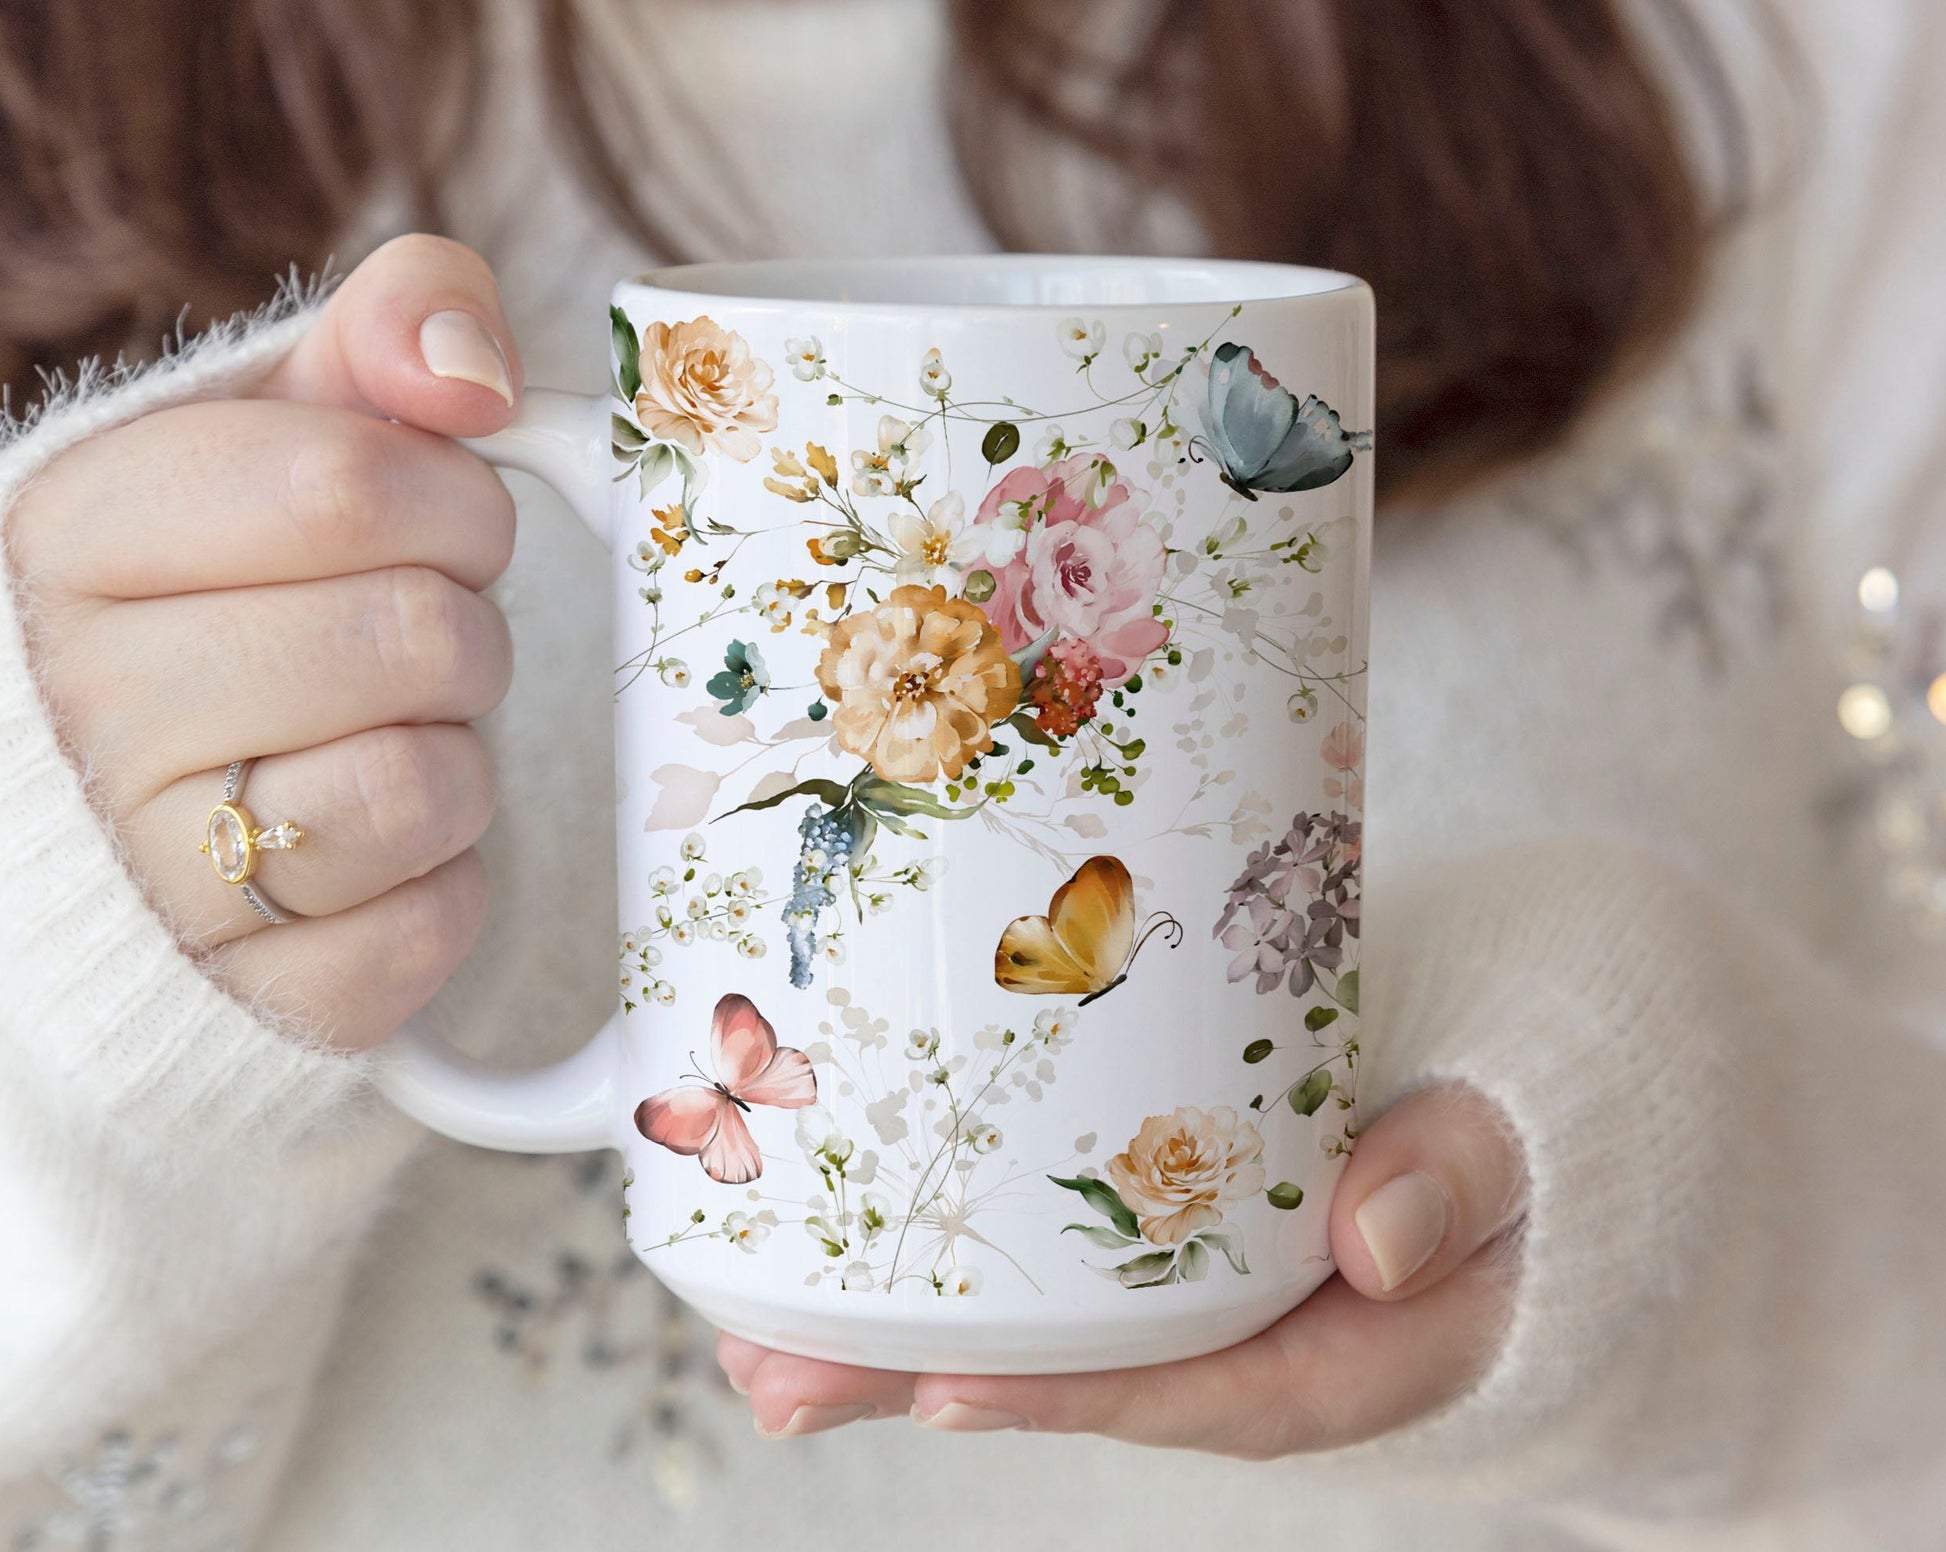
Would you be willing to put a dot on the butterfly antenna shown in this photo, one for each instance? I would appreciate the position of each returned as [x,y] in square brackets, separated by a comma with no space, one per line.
[1162,922]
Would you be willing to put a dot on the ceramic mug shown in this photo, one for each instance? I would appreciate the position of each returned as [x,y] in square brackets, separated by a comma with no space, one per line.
[991,640]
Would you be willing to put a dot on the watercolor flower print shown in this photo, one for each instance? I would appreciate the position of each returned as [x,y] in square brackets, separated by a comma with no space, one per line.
[954,607]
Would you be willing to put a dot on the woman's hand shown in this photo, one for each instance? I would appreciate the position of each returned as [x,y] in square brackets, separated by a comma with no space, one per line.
[1420,1231]
[296,577]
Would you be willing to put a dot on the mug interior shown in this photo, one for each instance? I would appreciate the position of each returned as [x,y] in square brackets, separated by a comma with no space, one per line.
[1001,280]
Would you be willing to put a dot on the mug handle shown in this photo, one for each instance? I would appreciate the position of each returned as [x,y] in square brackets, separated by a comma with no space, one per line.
[570,1106]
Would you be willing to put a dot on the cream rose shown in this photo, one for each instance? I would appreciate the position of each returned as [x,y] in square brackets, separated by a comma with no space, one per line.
[702,389]
[1182,1171]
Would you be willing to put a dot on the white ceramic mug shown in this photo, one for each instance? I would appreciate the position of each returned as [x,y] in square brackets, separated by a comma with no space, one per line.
[990,729]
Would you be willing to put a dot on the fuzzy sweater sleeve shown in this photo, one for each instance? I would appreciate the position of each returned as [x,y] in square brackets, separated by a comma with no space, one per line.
[170,1163]
[1721,1305]
[1723,1308]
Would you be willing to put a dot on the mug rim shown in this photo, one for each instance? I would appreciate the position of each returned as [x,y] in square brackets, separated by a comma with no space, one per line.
[1171,282]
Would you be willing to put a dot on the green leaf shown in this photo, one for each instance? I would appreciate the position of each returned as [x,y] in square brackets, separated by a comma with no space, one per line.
[1257,1050]
[1286,1194]
[1230,1243]
[1311,1093]
[864,830]
[1192,1262]
[626,435]
[893,797]
[1028,658]
[898,826]
[1001,442]
[980,585]
[1155,1270]
[1102,1235]
[1317,1018]
[628,353]
[1100,1195]
[1032,731]
[826,791]
[1348,989]
[658,461]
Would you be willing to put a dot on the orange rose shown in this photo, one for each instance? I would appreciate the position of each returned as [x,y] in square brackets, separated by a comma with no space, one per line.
[701,388]
[917,684]
[1181,1171]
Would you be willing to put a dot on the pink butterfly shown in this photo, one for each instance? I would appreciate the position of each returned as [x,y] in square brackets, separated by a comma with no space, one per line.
[706,1117]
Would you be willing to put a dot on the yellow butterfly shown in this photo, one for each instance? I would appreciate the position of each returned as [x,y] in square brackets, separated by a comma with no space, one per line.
[1085,943]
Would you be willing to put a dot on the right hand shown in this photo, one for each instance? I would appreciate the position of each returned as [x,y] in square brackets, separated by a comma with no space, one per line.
[297,577]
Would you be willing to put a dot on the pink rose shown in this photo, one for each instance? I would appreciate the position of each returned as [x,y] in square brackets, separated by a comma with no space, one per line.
[1087,569]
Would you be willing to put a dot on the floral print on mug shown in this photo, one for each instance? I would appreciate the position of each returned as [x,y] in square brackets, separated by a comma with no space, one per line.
[984,642]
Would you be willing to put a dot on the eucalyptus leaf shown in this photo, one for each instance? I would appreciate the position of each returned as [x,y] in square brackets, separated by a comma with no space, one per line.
[628,353]
[1286,1194]
[1001,442]
[1100,1195]
[1102,1235]
[1311,1093]
[1348,989]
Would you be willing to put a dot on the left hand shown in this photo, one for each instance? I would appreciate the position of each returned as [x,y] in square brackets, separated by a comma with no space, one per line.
[1420,1231]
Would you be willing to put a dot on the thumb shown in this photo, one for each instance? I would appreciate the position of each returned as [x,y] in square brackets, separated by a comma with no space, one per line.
[415,334]
[1430,1182]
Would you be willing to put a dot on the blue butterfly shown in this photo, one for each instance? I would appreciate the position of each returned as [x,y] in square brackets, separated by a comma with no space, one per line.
[1264,438]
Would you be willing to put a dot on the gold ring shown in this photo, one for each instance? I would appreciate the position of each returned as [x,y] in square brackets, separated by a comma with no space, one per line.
[232,839]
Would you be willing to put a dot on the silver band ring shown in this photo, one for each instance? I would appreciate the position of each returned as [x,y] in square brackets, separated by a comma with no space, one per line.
[234,843]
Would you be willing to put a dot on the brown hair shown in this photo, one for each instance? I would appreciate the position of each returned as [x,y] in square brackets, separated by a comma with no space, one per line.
[1507,173]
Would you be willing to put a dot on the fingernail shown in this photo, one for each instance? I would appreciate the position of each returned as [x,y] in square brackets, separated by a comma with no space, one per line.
[736,1384]
[819,1419]
[457,346]
[958,1417]
[1403,1222]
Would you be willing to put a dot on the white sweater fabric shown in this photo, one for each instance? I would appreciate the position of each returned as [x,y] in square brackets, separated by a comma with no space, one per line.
[244,1305]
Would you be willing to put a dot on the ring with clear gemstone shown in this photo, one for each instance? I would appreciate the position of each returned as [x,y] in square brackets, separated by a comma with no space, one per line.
[234,844]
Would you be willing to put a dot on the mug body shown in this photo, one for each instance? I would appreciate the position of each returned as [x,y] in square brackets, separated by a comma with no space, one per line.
[990,718]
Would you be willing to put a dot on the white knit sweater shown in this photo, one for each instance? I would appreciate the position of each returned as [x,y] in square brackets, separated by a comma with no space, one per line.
[1606,887]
